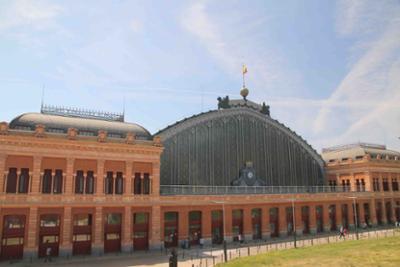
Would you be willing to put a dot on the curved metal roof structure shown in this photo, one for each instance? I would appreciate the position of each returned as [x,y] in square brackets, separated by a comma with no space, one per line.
[211,148]
[28,121]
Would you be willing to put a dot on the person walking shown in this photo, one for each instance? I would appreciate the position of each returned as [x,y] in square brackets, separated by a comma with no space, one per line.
[341,232]
[48,252]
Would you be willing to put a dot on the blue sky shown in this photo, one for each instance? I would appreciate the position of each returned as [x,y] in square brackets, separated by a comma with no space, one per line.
[330,70]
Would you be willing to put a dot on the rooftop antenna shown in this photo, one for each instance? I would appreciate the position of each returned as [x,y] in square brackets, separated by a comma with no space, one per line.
[123,109]
[42,100]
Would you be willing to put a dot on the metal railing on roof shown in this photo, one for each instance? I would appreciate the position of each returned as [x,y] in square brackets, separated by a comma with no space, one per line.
[81,113]
[248,190]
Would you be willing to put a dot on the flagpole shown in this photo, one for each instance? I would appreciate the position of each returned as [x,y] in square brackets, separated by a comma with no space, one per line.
[244,86]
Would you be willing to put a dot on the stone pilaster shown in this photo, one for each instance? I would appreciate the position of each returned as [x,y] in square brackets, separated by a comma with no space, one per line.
[339,215]
[298,218]
[36,175]
[127,230]
[206,226]
[31,250]
[351,214]
[361,212]
[100,178]
[372,210]
[313,219]
[325,217]
[265,228]
[128,190]
[69,176]
[247,224]
[98,244]
[227,220]
[383,208]
[66,244]
[3,158]
[155,179]
[156,229]
[380,182]
[282,220]
[183,225]
[393,206]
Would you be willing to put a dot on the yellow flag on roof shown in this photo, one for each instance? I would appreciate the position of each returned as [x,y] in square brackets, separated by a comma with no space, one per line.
[244,69]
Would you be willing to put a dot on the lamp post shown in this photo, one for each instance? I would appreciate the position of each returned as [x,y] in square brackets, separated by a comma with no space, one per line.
[355,214]
[294,223]
[223,223]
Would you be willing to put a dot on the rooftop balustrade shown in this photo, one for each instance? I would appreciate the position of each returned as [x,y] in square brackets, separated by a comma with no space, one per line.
[245,190]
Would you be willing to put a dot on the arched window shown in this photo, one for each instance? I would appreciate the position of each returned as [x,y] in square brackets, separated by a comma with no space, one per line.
[119,183]
[12,181]
[137,184]
[46,183]
[146,184]
[23,184]
[109,183]
[79,181]
[89,182]
[58,181]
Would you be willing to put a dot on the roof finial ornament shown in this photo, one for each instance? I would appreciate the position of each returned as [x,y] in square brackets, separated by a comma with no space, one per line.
[244,92]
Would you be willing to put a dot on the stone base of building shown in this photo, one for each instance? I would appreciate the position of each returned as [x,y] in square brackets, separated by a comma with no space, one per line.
[248,237]
[127,248]
[97,250]
[30,254]
[65,252]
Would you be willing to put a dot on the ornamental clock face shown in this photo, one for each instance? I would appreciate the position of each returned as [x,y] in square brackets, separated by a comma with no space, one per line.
[250,175]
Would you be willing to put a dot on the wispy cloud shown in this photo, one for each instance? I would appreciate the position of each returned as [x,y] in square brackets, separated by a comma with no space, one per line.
[232,42]
[25,21]
[372,82]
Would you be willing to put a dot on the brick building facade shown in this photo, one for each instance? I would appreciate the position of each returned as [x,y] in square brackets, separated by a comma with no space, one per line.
[91,185]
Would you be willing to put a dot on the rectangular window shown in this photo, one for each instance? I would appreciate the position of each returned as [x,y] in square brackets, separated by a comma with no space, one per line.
[79,181]
[216,215]
[114,218]
[385,184]
[23,184]
[13,241]
[141,218]
[80,238]
[83,219]
[119,183]
[137,184]
[14,222]
[395,184]
[114,236]
[89,182]
[58,182]
[47,181]
[50,239]
[50,220]
[12,181]
[109,183]
[146,183]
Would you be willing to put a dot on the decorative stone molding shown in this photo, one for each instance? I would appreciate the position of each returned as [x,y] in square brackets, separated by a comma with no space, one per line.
[72,133]
[157,140]
[3,128]
[40,130]
[102,136]
[130,138]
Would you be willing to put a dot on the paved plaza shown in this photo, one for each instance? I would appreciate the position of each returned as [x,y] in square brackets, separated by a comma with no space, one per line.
[209,256]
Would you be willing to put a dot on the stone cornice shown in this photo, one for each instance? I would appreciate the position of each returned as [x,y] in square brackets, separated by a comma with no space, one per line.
[31,144]
[9,200]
